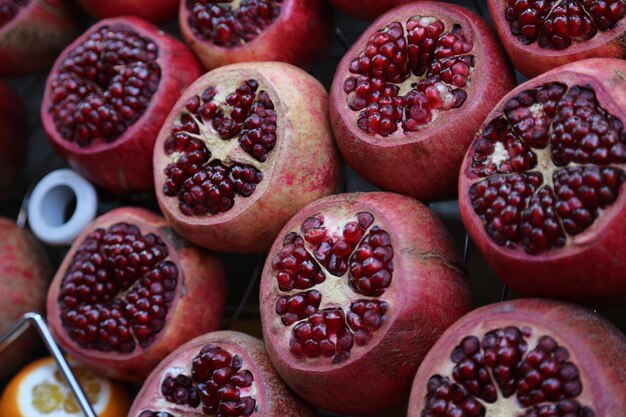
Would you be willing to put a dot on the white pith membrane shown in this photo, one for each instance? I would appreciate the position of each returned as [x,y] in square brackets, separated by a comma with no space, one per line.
[540,197]
[531,366]
[337,293]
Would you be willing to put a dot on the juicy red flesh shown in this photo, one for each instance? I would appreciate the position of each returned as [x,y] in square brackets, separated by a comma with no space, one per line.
[209,186]
[523,202]
[217,381]
[556,24]
[104,85]
[543,381]
[9,9]
[217,21]
[118,289]
[436,63]
[359,253]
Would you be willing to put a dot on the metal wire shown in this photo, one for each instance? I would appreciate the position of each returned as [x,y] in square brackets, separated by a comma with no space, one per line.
[246,296]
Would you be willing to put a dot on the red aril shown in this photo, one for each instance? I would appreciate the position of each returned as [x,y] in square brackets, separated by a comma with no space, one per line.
[539,35]
[13,138]
[130,291]
[355,290]
[366,9]
[107,96]
[245,147]
[224,374]
[525,358]
[226,32]
[409,95]
[540,190]
[158,11]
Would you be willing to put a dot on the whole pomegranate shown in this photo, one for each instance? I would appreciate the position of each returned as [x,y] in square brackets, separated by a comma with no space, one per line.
[540,35]
[366,9]
[418,70]
[158,11]
[13,138]
[245,147]
[294,31]
[33,33]
[108,95]
[218,374]
[517,358]
[355,290]
[130,291]
[24,277]
[540,190]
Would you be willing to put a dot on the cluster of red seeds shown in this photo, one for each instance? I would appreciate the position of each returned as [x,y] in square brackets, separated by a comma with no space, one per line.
[9,9]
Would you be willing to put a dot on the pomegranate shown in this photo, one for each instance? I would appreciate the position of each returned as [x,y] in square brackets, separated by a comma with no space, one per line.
[33,33]
[219,374]
[229,31]
[108,95]
[517,358]
[158,11]
[130,291]
[24,277]
[540,35]
[356,289]
[244,149]
[417,71]
[367,9]
[540,190]
[13,138]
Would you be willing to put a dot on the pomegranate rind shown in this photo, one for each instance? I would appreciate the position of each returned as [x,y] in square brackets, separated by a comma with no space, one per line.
[157,11]
[303,167]
[429,291]
[590,271]
[532,60]
[125,165]
[13,138]
[594,345]
[196,309]
[422,164]
[272,396]
[302,33]
[366,10]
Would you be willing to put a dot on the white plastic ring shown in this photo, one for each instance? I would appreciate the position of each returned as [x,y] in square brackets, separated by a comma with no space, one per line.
[50,201]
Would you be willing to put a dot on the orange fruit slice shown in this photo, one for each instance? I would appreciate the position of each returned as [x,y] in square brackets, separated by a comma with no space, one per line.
[39,390]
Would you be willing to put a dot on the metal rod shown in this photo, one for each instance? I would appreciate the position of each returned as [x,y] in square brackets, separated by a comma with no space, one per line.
[342,39]
[466,248]
[260,262]
[35,319]
[504,292]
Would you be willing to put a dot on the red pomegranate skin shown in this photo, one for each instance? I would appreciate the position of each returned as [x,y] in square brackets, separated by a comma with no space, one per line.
[272,397]
[588,269]
[300,35]
[423,163]
[596,347]
[368,9]
[24,277]
[13,138]
[125,164]
[429,290]
[532,60]
[197,307]
[303,166]
[35,36]
[157,11]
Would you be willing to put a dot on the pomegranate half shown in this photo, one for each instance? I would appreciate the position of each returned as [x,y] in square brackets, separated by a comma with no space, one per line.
[13,139]
[355,290]
[158,11]
[541,188]
[366,9]
[108,95]
[130,291]
[33,33]
[218,374]
[245,147]
[539,35]
[526,358]
[295,31]
[409,95]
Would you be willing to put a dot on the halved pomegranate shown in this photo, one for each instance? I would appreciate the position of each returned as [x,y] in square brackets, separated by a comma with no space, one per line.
[244,149]
[540,35]
[33,33]
[410,94]
[13,138]
[225,32]
[355,290]
[219,374]
[158,11]
[130,291]
[541,187]
[108,95]
[366,9]
[527,358]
